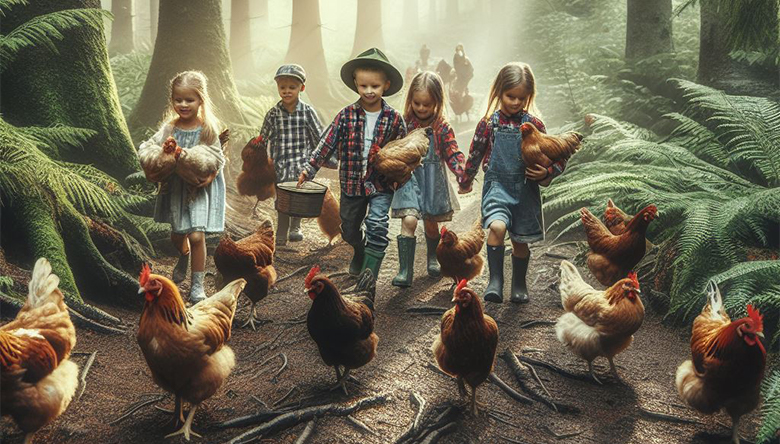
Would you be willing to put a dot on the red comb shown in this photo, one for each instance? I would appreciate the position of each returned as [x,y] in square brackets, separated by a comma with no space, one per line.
[313,272]
[257,140]
[443,230]
[460,286]
[757,318]
[527,128]
[144,277]
[632,276]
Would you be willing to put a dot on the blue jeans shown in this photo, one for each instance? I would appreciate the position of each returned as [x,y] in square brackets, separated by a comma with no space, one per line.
[353,215]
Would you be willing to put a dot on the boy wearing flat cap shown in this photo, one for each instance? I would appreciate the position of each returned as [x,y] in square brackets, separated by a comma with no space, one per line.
[359,129]
[293,129]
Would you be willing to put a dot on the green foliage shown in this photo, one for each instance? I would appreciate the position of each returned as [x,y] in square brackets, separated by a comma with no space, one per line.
[129,71]
[44,30]
[770,411]
[751,24]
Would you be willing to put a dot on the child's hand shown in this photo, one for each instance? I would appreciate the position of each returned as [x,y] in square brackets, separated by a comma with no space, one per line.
[302,178]
[536,173]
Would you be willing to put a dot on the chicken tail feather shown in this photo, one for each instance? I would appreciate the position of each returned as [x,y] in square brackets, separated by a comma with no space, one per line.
[571,281]
[42,283]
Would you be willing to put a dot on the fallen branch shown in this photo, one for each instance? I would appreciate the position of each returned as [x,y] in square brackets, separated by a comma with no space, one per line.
[293,418]
[536,322]
[259,401]
[522,375]
[135,407]
[427,310]
[434,436]
[288,276]
[85,322]
[510,440]
[414,427]
[561,371]
[243,421]
[500,419]
[266,361]
[338,273]
[306,432]
[281,369]
[666,417]
[359,424]
[83,377]
[287,395]
[561,435]
[556,255]
[509,390]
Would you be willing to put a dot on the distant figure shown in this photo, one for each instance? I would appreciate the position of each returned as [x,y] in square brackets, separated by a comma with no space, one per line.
[460,100]
[420,65]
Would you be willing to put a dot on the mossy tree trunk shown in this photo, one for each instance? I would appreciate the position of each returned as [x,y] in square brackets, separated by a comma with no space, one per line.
[240,39]
[73,87]
[154,13]
[122,30]
[368,33]
[648,28]
[306,49]
[202,47]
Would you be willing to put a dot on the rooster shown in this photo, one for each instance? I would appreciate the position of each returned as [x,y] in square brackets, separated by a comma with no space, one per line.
[398,159]
[544,149]
[329,219]
[185,348]
[159,162]
[342,327]
[459,256]
[611,256]
[37,381]
[615,220]
[728,362]
[598,323]
[466,347]
[258,175]
[250,258]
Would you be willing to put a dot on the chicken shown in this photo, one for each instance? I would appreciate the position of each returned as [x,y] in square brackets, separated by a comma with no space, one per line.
[38,380]
[258,175]
[598,323]
[159,162]
[198,165]
[544,149]
[185,348]
[615,220]
[460,100]
[342,327]
[250,258]
[466,347]
[398,159]
[460,257]
[728,362]
[329,219]
[611,256]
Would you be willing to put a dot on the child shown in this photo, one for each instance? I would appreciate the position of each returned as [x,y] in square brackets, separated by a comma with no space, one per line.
[189,119]
[366,125]
[423,196]
[510,196]
[293,129]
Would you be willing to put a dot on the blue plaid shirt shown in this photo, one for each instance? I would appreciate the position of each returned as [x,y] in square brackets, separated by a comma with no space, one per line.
[293,136]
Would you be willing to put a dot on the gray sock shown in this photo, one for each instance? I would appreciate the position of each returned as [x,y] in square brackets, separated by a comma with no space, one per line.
[197,292]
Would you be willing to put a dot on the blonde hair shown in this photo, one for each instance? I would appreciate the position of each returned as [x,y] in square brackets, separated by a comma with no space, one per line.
[512,75]
[196,81]
[431,83]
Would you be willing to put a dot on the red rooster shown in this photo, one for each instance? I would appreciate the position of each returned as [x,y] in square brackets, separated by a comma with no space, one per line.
[466,347]
[728,362]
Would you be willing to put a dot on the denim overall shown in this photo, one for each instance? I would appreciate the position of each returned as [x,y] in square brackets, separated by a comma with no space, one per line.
[507,195]
[427,191]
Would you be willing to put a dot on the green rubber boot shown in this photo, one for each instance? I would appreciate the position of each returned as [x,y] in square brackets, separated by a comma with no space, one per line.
[434,269]
[519,287]
[406,247]
[356,266]
[372,259]
[495,288]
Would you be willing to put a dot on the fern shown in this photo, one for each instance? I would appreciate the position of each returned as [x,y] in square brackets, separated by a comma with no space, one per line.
[770,411]
[44,30]
[51,139]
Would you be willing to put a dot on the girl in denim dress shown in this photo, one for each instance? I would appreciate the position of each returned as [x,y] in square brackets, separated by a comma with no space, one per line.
[511,200]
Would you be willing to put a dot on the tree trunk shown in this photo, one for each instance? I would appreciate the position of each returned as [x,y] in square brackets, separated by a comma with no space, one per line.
[240,39]
[432,14]
[154,13]
[451,12]
[368,33]
[306,49]
[201,47]
[714,60]
[72,87]
[648,28]
[411,15]
[259,11]
[122,31]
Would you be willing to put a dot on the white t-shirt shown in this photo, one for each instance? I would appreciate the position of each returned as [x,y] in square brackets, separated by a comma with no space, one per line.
[368,132]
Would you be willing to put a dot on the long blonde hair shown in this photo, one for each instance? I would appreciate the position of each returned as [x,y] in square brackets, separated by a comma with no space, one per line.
[512,75]
[196,81]
[431,83]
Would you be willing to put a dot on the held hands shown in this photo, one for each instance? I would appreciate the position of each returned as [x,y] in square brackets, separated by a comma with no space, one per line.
[302,178]
[536,173]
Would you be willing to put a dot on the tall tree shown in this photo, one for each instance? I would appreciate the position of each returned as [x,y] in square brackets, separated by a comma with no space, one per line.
[259,11]
[648,28]
[451,11]
[432,13]
[190,36]
[306,49]
[368,33]
[411,15]
[154,13]
[714,60]
[72,87]
[240,38]
[122,30]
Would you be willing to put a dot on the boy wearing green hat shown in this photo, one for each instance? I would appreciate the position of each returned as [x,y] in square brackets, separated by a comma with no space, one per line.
[358,130]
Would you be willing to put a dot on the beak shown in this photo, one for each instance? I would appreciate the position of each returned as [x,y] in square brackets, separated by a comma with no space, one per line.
[760,335]
[453,298]
[638,291]
[141,290]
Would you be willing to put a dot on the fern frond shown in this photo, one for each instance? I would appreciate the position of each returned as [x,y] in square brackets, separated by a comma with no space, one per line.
[770,411]
[53,138]
[7,5]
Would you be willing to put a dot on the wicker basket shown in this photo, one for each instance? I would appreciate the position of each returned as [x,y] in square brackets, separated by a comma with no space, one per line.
[305,201]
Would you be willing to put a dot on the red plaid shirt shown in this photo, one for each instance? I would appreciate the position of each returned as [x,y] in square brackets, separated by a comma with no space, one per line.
[444,143]
[345,137]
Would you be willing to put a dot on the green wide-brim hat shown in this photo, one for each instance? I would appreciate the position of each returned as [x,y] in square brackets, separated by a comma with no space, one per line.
[372,58]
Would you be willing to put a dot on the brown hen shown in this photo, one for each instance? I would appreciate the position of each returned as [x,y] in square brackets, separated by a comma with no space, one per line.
[459,256]
[544,149]
[258,176]
[329,219]
[398,159]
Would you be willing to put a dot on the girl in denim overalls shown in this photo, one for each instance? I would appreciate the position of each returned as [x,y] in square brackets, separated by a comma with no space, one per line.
[428,195]
[510,196]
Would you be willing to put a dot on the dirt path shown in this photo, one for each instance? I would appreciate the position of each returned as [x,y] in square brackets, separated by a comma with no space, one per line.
[612,413]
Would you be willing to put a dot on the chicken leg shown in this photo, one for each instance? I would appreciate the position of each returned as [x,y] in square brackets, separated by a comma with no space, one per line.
[613,369]
[186,429]
[28,438]
[461,387]
[253,318]
[342,380]
[735,430]
[590,369]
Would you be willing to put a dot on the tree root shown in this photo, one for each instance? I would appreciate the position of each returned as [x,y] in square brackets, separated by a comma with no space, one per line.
[360,424]
[135,407]
[666,417]
[287,395]
[509,390]
[431,429]
[83,377]
[438,433]
[306,432]
[293,418]
[522,376]
[266,361]
[561,435]
[414,427]
[536,322]
[289,275]
[281,369]
[427,310]
[561,371]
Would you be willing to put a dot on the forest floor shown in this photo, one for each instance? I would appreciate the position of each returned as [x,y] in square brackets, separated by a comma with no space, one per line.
[616,412]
